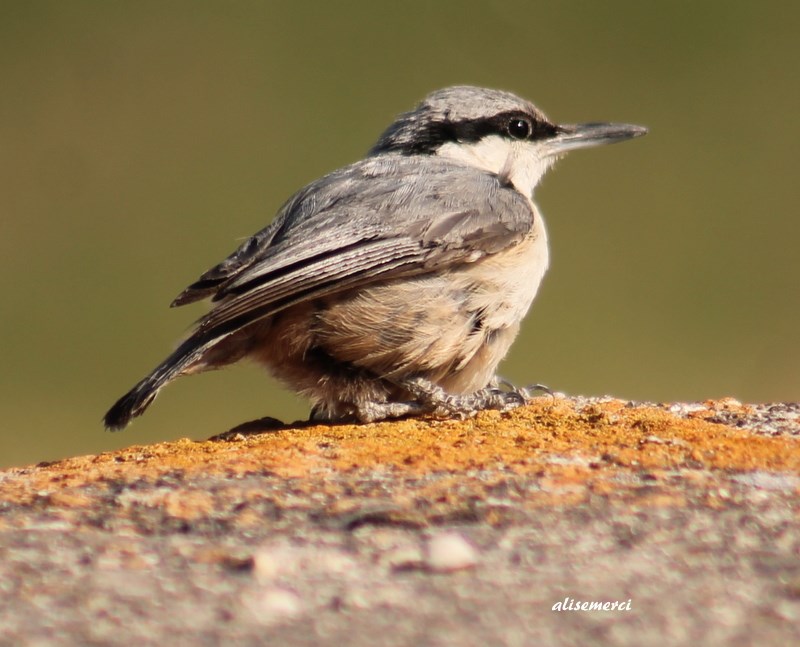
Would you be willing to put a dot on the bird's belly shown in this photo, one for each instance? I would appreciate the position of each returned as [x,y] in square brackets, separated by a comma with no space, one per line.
[501,290]
[452,327]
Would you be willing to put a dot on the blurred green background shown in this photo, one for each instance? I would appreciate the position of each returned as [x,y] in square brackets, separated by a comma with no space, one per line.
[141,141]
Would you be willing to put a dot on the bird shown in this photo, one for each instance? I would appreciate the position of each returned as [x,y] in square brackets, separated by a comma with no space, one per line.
[393,286]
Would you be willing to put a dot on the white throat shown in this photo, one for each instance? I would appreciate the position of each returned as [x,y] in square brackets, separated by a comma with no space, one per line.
[523,163]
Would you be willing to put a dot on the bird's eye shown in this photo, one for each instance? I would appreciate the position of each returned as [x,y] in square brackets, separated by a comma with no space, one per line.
[519,128]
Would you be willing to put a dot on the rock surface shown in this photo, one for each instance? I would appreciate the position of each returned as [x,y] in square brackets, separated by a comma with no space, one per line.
[329,535]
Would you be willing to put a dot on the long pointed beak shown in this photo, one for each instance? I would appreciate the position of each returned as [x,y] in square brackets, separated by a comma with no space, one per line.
[572,136]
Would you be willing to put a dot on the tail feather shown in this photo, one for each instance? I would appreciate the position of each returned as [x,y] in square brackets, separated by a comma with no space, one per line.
[135,402]
[132,404]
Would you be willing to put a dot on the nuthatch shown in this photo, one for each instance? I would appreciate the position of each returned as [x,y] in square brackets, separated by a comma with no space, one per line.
[395,285]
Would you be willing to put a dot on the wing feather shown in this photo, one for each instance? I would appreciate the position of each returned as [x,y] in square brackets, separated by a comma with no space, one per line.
[381,218]
[345,270]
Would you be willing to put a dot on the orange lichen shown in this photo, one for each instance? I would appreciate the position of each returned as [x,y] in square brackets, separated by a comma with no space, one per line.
[573,452]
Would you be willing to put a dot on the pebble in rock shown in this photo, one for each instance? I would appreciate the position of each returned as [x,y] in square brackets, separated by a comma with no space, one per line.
[273,605]
[448,552]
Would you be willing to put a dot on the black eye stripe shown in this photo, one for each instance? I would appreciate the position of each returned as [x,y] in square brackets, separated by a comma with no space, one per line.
[428,140]
[476,129]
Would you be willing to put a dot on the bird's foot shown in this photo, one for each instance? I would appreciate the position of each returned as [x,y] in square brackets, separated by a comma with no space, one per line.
[500,395]
[430,398]
[369,411]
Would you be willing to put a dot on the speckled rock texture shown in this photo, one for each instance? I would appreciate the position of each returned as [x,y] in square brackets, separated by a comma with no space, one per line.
[420,532]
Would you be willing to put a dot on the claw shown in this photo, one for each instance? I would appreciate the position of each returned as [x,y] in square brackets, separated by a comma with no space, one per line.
[525,392]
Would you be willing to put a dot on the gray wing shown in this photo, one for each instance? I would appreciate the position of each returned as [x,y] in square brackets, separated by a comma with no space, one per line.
[382,218]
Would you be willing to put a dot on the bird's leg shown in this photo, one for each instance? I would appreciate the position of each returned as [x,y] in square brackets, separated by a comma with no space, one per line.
[370,411]
[436,400]
[375,411]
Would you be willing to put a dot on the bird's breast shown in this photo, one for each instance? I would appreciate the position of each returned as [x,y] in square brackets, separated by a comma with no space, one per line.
[503,285]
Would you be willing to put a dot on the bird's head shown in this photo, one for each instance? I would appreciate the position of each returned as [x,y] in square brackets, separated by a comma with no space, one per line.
[495,131]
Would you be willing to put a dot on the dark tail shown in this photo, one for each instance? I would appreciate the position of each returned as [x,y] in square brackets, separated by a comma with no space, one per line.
[134,403]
